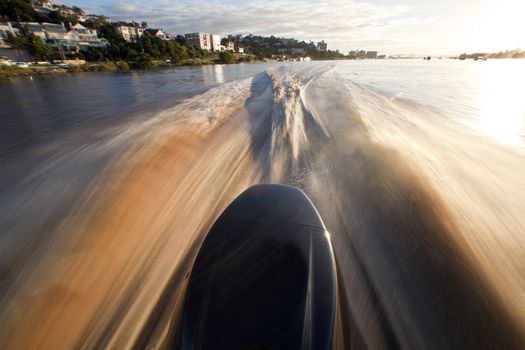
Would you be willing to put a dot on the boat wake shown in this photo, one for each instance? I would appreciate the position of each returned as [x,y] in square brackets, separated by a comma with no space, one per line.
[388,176]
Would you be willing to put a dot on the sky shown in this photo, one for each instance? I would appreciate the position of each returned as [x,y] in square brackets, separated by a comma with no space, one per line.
[423,27]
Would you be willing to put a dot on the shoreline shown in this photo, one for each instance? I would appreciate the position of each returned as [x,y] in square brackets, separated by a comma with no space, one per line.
[91,67]
[7,72]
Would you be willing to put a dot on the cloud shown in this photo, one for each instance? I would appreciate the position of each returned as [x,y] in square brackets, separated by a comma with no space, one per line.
[339,22]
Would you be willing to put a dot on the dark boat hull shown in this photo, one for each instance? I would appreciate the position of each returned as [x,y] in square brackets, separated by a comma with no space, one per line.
[264,278]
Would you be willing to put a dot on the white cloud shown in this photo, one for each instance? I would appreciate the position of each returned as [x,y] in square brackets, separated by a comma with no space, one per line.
[339,22]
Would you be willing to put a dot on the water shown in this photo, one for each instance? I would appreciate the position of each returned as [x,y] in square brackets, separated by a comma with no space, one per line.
[110,181]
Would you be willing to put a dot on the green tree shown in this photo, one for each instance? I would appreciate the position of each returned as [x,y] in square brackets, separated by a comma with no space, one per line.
[18,10]
[144,61]
[30,42]
[227,57]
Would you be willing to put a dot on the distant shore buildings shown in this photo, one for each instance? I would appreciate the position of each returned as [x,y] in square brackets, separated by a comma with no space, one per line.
[73,31]
[322,46]
[131,32]
[361,54]
[58,36]
[203,41]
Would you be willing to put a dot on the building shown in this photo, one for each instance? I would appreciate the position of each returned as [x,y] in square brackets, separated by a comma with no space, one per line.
[157,33]
[60,37]
[198,40]
[203,41]
[55,31]
[86,37]
[42,6]
[215,42]
[371,55]
[67,11]
[131,32]
[33,27]
[294,51]
[230,46]
[240,49]
[357,54]
[322,46]
[6,29]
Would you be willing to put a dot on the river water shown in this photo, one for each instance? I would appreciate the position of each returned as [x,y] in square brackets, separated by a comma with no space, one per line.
[110,182]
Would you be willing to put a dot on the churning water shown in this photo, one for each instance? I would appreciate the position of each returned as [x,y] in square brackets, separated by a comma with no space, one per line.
[110,182]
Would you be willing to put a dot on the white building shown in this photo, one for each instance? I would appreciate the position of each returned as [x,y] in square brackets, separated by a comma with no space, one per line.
[158,33]
[58,36]
[55,31]
[86,37]
[198,40]
[130,32]
[5,30]
[215,42]
[35,28]
[203,41]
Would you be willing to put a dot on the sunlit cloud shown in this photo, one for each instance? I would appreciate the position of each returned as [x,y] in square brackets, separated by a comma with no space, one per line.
[391,26]
[343,23]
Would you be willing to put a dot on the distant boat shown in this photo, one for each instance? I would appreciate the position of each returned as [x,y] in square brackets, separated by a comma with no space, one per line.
[428,58]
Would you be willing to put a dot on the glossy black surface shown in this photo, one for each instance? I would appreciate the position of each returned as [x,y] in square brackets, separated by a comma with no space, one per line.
[264,277]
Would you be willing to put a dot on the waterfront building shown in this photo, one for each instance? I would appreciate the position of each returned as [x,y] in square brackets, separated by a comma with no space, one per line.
[240,49]
[157,33]
[198,40]
[215,42]
[60,37]
[55,31]
[203,41]
[6,29]
[86,37]
[131,32]
[371,55]
[322,46]
[33,27]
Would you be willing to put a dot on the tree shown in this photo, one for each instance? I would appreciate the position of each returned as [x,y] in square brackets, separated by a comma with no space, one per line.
[30,42]
[144,61]
[227,57]
[18,10]
[23,11]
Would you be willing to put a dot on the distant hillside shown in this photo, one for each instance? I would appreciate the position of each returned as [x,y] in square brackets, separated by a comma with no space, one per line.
[501,54]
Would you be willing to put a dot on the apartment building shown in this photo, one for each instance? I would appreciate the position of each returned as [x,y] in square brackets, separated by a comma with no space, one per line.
[322,46]
[5,30]
[203,41]
[215,42]
[131,32]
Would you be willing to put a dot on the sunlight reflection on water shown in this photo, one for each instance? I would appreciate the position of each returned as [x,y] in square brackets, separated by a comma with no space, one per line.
[501,105]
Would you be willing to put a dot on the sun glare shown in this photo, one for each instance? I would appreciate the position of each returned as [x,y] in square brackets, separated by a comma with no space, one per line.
[501,108]
[497,26]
